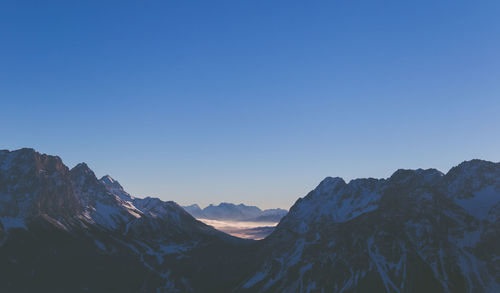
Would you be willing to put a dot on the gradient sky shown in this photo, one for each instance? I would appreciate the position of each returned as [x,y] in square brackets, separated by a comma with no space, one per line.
[250,101]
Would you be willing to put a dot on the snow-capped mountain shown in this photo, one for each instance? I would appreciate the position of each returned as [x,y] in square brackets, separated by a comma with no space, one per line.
[55,222]
[242,221]
[233,212]
[418,231]
[64,230]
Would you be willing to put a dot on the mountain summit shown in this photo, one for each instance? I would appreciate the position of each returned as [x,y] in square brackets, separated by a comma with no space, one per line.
[64,230]
[417,231]
[50,214]
[233,212]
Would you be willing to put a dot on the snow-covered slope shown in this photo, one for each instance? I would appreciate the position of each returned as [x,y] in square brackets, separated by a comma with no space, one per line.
[64,230]
[418,231]
[334,201]
[100,206]
[45,204]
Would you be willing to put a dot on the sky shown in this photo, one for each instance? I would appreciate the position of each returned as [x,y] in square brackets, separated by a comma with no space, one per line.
[250,102]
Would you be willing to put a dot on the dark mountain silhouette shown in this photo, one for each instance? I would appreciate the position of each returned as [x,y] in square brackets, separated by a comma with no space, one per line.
[64,230]
[418,231]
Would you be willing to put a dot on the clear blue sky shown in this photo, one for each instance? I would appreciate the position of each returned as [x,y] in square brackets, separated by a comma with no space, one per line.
[250,101]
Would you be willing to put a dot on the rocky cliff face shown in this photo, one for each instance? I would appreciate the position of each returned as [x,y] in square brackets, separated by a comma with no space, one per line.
[419,230]
[65,230]
[32,184]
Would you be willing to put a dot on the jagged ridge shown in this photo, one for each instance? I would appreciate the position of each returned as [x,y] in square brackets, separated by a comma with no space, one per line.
[419,230]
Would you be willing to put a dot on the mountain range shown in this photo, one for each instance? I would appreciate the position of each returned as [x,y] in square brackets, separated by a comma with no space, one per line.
[240,212]
[64,230]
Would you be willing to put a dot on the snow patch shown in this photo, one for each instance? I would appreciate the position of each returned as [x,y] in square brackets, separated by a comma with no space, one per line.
[481,202]
[259,276]
[100,245]
[12,223]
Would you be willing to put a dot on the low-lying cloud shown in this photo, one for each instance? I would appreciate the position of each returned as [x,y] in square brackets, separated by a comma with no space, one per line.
[243,229]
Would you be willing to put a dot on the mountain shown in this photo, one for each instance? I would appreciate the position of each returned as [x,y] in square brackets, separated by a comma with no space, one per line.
[417,231]
[64,230]
[230,211]
[194,210]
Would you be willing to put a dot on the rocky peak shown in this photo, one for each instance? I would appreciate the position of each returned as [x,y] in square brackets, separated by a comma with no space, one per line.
[409,224]
[82,170]
[415,178]
[332,201]
[115,188]
[24,161]
[471,176]
[329,185]
[194,210]
[475,166]
[109,182]
[194,207]
[34,184]
[365,183]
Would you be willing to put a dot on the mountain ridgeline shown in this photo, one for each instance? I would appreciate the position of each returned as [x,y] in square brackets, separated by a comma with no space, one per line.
[241,212]
[64,230]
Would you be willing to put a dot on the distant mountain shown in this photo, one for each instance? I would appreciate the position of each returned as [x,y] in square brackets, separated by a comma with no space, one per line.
[418,231]
[194,210]
[241,212]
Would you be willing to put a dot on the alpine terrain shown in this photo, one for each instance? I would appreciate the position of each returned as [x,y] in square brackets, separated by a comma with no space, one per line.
[243,221]
[64,230]
[418,231]
[240,212]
